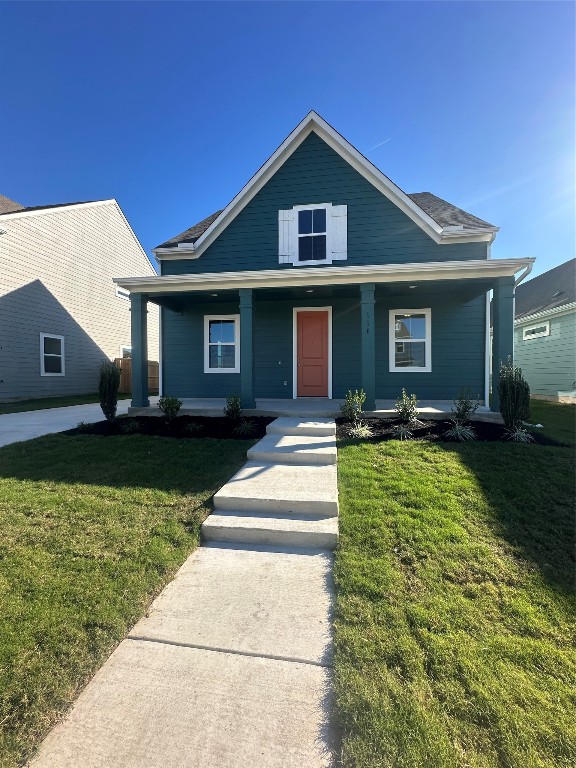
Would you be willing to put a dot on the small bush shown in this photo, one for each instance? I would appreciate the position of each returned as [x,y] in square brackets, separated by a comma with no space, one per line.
[460,432]
[170,406]
[194,428]
[245,428]
[402,432]
[464,405]
[84,427]
[407,408]
[514,395]
[361,430]
[233,409]
[518,435]
[352,407]
[108,389]
[130,426]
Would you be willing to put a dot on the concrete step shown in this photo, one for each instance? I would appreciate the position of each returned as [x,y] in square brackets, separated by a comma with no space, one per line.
[286,425]
[294,449]
[281,488]
[302,531]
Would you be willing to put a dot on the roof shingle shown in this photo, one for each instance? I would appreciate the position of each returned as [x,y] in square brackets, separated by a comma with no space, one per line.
[548,291]
[9,206]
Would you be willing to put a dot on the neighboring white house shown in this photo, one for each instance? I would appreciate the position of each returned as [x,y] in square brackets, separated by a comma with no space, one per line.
[60,312]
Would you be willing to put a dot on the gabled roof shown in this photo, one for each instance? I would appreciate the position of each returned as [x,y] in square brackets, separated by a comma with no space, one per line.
[553,289]
[9,206]
[28,209]
[463,227]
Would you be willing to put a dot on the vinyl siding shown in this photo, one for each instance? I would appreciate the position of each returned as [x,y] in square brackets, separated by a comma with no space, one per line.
[378,231]
[56,278]
[548,362]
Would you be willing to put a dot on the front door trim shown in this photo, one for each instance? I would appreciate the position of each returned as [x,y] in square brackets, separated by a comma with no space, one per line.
[295,311]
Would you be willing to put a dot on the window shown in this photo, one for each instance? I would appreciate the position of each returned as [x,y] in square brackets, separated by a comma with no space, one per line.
[535,331]
[51,355]
[122,293]
[125,351]
[313,234]
[221,344]
[410,340]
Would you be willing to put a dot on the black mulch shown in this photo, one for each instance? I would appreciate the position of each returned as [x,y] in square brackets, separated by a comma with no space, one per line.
[250,428]
[434,431]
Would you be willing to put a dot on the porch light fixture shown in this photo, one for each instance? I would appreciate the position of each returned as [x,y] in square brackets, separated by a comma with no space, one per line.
[412,286]
[309,290]
[213,294]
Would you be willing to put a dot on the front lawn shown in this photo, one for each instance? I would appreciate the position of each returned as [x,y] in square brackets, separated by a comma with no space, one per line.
[92,529]
[455,607]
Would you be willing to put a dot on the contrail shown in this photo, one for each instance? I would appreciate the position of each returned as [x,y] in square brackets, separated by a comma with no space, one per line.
[378,145]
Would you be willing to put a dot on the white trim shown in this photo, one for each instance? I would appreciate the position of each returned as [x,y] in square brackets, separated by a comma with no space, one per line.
[543,324]
[564,309]
[55,209]
[487,352]
[427,368]
[295,311]
[61,355]
[297,262]
[314,123]
[122,293]
[328,275]
[160,346]
[207,319]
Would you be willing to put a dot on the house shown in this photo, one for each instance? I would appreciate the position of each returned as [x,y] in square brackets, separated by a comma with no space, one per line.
[321,276]
[545,332]
[60,312]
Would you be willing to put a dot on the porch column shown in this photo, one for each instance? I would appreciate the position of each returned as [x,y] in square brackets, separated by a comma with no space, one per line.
[139,322]
[502,331]
[368,344]
[247,348]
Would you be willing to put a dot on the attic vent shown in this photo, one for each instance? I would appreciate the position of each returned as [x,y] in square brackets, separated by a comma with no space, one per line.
[558,293]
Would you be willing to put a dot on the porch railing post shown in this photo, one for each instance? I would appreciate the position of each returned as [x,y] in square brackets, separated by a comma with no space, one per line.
[247,348]
[502,331]
[368,344]
[139,323]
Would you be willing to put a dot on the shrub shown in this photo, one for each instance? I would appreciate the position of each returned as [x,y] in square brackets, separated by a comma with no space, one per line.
[514,395]
[464,405]
[170,406]
[361,429]
[245,428]
[352,407]
[460,431]
[407,408]
[233,409]
[518,435]
[194,428]
[129,426]
[402,432]
[108,389]
[84,427]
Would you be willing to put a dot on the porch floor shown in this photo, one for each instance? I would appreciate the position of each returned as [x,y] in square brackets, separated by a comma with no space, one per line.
[308,407]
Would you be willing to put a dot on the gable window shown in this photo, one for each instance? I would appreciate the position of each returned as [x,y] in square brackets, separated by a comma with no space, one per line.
[313,234]
[410,340]
[51,355]
[221,343]
[536,331]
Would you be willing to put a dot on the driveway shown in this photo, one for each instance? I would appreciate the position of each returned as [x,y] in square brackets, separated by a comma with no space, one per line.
[15,427]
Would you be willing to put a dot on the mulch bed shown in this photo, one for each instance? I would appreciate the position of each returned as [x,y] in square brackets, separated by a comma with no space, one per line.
[180,427]
[434,430]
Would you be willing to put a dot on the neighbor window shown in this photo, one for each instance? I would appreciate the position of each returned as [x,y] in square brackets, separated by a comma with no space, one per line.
[535,331]
[221,344]
[125,351]
[312,234]
[122,293]
[51,355]
[410,340]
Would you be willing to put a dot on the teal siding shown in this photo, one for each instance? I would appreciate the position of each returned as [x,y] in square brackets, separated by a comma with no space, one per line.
[549,362]
[378,231]
[457,349]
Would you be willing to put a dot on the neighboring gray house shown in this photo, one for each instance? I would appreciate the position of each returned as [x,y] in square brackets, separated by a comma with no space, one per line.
[545,332]
[60,312]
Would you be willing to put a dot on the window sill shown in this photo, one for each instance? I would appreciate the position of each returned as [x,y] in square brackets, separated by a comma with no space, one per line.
[409,369]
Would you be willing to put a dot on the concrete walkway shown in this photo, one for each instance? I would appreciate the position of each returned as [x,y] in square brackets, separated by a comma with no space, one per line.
[232,665]
[15,427]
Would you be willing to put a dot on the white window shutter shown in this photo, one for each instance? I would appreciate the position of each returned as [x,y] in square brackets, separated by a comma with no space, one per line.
[286,244]
[339,231]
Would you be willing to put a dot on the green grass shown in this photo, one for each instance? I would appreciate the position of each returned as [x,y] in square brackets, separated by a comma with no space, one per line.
[92,529]
[558,420]
[51,402]
[455,604]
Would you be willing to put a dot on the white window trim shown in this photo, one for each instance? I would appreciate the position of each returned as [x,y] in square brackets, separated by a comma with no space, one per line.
[427,340]
[61,355]
[546,332]
[313,207]
[122,293]
[295,311]
[207,319]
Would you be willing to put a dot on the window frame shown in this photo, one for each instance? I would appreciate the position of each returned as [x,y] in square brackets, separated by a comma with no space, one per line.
[236,344]
[43,354]
[393,368]
[544,324]
[313,207]
[122,293]
[122,348]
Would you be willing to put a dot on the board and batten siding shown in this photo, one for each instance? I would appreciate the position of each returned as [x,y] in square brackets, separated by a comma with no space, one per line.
[56,277]
[548,362]
[378,231]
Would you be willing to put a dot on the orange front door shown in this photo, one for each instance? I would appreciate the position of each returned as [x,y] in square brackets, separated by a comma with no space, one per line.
[312,354]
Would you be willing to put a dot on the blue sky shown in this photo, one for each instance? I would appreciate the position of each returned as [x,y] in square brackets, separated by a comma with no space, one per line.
[171,107]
